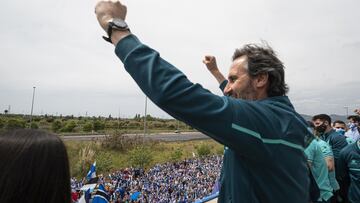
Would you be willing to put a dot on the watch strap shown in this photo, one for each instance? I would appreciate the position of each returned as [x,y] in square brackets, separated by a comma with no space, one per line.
[111,26]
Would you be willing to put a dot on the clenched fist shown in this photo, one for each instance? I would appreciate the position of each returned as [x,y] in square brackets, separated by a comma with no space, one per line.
[210,62]
[357,111]
[107,10]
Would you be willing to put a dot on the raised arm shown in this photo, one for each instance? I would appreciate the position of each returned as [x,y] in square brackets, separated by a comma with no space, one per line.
[210,62]
[170,90]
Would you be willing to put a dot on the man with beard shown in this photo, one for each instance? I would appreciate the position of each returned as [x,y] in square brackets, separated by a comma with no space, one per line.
[318,156]
[264,160]
[323,129]
[337,142]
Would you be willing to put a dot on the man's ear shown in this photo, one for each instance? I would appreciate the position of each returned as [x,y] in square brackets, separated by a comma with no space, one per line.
[261,80]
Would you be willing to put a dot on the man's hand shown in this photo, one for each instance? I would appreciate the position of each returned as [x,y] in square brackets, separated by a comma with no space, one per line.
[357,111]
[107,10]
[210,62]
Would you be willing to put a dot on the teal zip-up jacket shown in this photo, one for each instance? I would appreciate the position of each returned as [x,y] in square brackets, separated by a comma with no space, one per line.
[264,161]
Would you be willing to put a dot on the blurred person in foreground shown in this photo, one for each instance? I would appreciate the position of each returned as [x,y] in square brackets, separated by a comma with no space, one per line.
[264,160]
[34,168]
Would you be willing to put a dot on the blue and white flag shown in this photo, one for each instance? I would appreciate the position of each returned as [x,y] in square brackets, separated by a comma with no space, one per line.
[92,172]
[101,196]
[135,196]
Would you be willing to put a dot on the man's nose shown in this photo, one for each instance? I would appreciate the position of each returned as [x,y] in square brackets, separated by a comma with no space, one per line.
[227,90]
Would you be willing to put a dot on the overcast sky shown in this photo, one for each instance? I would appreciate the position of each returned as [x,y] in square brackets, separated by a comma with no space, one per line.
[57,47]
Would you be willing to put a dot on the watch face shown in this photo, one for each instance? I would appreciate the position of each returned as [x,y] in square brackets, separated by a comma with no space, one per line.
[120,24]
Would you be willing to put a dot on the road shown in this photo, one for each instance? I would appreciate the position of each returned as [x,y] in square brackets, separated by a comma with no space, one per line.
[167,137]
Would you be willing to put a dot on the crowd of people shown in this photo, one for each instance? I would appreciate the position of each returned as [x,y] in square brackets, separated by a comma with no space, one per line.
[333,154]
[332,150]
[184,181]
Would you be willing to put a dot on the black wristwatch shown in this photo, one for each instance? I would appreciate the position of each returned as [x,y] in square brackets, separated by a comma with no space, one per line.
[115,24]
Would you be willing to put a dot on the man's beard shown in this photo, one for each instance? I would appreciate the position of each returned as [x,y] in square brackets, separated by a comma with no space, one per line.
[248,93]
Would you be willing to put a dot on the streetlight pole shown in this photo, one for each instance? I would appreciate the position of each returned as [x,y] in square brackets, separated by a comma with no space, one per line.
[32,106]
[347,111]
[145,115]
[178,125]
[119,119]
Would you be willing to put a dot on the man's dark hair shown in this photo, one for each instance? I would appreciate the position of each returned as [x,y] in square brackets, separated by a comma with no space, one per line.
[339,121]
[354,118]
[34,167]
[263,59]
[323,117]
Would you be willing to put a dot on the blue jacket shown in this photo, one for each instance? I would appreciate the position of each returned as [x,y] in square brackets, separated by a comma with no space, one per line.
[264,160]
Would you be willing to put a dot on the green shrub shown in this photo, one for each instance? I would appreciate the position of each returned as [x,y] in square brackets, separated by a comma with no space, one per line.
[56,125]
[120,142]
[141,156]
[133,124]
[103,162]
[203,150]
[171,127]
[156,124]
[87,127]
[50,119]
[34,125]
[176,155]
[98,125]
[37,119]
[15,124]
[69,126]
[2,123]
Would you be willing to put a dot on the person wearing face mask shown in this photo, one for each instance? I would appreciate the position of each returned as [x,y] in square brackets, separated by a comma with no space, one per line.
[354,130]
[323,129]
[329,159]
[341,128]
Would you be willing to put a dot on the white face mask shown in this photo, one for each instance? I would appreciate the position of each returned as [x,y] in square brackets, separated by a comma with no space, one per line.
[352,125]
